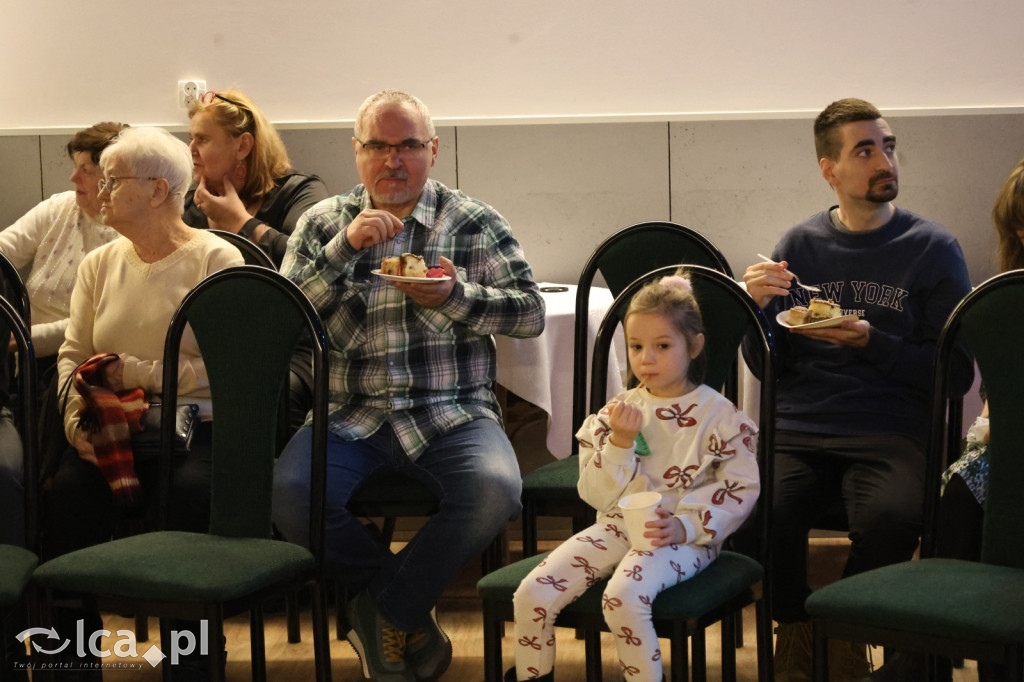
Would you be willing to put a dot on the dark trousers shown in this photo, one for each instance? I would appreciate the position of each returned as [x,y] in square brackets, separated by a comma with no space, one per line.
[960,522]
[79,510]
[880,481]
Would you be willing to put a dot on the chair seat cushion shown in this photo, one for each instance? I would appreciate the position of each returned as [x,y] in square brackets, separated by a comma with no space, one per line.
[938,597]
[728,577]
[16,566]
[178,566]
[554,477]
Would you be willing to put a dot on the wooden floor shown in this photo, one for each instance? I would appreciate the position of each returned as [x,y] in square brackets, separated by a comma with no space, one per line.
[460,615]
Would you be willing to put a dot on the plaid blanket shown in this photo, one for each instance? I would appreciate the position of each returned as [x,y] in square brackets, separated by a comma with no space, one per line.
[111,417]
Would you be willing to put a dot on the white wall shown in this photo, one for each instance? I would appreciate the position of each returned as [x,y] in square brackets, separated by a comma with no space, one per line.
[69,64]
[693,111]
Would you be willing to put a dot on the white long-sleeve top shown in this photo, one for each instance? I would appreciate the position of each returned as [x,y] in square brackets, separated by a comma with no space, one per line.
[702,460]
[54,237]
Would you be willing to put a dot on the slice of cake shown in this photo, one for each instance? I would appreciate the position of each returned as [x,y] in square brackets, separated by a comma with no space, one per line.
[821,309]
[797,315]
[406,265]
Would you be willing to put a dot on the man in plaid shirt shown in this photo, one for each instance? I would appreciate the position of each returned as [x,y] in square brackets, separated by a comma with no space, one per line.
[412,367]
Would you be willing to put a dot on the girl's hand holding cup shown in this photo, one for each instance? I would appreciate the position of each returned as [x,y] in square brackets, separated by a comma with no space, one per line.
[666,530]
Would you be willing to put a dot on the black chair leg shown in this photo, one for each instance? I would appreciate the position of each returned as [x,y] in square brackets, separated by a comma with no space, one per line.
[321,633]
[680,657]
[699,656]
[141,628]
[492,644]
[291,611]
[592,652]
[819,667]
[729,628]
[216,647]
[529,529]
[165,644]
[257,644]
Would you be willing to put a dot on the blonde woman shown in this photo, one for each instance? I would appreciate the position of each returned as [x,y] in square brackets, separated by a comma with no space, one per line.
[244,181]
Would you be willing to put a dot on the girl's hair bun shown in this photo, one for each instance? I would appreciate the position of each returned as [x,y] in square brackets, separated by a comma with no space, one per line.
[676,281]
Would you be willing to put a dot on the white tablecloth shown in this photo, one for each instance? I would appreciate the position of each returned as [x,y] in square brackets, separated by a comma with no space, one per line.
[539,370]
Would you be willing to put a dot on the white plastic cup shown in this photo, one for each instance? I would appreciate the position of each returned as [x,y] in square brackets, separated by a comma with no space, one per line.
[637,510]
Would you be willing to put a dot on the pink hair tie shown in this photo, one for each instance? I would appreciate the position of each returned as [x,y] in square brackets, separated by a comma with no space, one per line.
[677,282]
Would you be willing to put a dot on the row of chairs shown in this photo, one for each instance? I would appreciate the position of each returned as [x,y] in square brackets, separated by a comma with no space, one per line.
[980,623]
[738,582]
[236,567]
[222,312]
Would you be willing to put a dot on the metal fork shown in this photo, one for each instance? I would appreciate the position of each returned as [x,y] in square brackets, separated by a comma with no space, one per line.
[795,278]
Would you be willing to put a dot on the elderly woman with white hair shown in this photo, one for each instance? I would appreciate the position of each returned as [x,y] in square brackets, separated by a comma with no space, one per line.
[123,300]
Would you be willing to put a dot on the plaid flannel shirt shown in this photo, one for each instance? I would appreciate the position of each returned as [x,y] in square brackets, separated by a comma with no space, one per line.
[423,370]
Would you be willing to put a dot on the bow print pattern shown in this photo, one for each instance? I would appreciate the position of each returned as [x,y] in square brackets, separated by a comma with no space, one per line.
[729,490]
[677,413]
[717,448]
[681,477]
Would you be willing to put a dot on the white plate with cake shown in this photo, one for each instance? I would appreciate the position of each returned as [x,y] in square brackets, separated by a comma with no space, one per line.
[819,314]
[409,268]
[413,280]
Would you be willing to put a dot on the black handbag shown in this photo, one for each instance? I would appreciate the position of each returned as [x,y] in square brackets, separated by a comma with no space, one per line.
[146,443]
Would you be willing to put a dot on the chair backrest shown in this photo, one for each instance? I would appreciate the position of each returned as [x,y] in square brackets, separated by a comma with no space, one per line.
[246,321]
[730,315]
[621,259]
[25,379]
[12,287]
[989,323]
[252,254]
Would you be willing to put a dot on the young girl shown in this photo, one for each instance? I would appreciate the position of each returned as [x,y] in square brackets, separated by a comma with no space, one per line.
[671,435]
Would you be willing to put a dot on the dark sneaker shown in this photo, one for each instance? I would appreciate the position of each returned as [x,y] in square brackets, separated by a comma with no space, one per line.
[429,651]
[380,645]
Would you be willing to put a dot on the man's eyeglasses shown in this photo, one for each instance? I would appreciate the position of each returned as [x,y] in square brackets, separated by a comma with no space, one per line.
[211,95]
[110,184]
[407,149]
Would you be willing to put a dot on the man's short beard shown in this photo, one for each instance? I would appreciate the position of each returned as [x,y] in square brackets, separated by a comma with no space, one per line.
[885,194]
[882,196]
[393,198]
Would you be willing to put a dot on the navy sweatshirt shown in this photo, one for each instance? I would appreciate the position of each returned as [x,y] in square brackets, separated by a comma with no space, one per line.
[905,278]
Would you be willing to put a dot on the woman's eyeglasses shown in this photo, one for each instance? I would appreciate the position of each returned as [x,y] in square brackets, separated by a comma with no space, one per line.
[110,184]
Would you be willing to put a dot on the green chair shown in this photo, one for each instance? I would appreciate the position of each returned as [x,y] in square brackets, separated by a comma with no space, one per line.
[943,607]
[17,563]
[246,320]
[550,490]
[734,580]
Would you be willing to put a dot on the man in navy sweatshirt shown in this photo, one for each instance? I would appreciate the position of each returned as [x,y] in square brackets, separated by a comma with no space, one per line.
[853,399]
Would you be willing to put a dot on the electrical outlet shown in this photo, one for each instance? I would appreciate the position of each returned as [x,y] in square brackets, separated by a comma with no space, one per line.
[189,91]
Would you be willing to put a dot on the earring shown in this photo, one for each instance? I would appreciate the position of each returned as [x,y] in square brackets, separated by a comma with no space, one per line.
[239,171]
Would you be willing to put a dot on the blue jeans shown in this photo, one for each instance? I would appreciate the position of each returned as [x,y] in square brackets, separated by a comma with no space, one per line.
[473,470]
